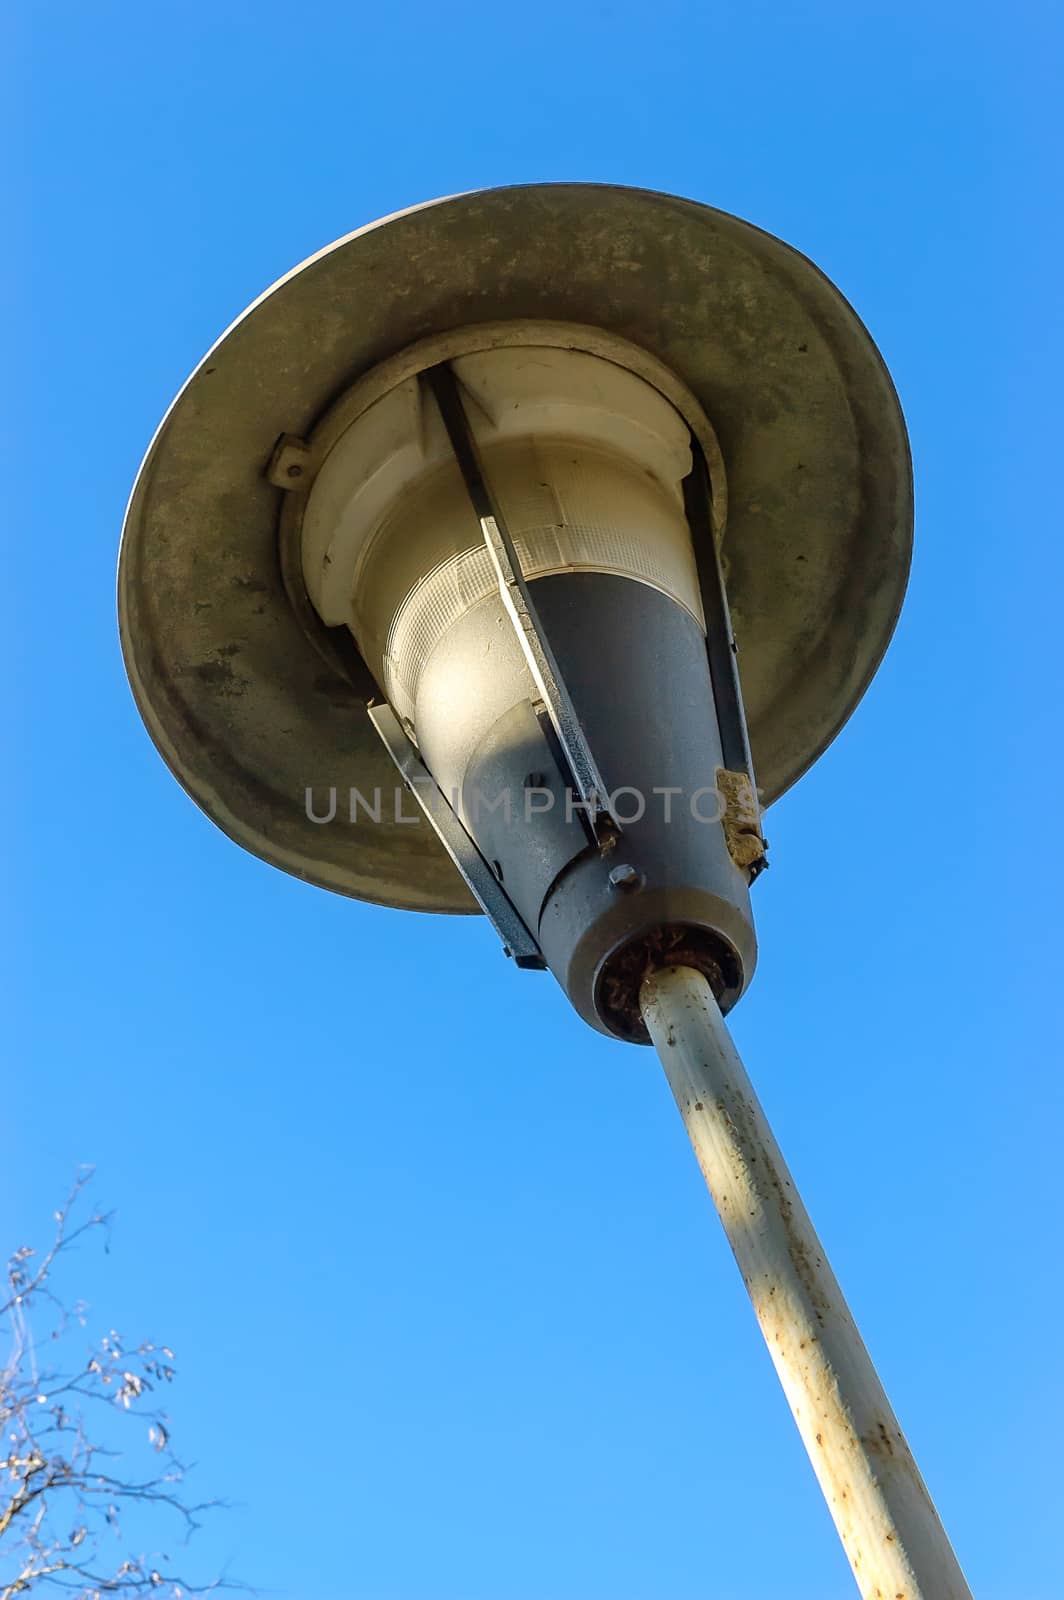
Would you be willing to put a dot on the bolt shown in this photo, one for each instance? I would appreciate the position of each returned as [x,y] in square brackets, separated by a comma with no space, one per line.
[626,877]
[295,470]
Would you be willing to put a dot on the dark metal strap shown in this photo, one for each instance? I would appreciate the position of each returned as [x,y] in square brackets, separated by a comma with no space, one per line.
[485,888]
[583,769]
[720,640]
[737,780]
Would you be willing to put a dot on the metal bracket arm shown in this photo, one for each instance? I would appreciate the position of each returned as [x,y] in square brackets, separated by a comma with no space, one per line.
[482,883]
[587,780]
[722,652]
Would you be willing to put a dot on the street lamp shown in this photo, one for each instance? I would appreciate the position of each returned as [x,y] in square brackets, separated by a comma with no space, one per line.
[584,513]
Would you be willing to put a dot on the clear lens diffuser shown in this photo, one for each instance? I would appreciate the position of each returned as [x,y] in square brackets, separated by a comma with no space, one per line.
[586,459]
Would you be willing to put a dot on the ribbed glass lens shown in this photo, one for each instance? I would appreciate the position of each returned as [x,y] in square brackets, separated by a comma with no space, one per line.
[569,508]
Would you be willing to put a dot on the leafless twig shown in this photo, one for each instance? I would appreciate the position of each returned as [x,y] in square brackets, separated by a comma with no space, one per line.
[68,1491]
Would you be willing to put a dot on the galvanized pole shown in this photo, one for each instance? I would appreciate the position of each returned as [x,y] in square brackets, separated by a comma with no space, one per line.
[889,1527]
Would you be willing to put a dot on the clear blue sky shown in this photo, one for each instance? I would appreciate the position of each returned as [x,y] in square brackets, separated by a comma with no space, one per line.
[454,1316]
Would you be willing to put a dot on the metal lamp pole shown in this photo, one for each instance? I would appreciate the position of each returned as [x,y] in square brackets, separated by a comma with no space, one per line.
[896,1545]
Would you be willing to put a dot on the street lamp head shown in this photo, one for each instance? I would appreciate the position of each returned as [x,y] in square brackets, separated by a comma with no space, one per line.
[470,493]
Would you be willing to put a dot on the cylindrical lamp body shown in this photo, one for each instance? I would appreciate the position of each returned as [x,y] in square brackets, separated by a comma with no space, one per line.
[587,463]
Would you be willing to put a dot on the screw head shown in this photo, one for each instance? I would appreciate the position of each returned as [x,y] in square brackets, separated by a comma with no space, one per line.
[625,877]
[295,470]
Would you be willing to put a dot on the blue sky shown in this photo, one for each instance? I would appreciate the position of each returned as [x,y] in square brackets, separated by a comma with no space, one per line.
[454,1317]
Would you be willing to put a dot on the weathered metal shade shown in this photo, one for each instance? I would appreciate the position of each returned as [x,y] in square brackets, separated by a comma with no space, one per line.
[244,708]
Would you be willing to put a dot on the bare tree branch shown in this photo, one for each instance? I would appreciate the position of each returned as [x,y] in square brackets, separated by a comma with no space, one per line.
[61,1504]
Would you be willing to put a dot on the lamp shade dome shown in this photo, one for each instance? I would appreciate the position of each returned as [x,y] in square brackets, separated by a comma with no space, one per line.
[250,711]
